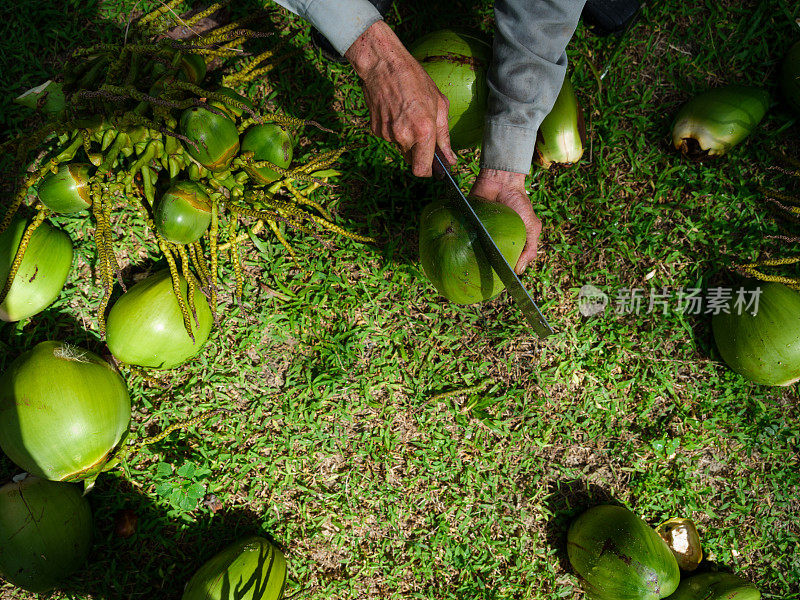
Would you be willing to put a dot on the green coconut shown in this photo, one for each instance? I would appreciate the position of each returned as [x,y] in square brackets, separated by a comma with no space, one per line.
[145,326]
[42,273]
[620,557]
[182,213]
[193,67]
[712,123]
[67,190]
[458,63]
[45,532]
[716,586]
[762,343]
[562,133]
[215,137]
[63,412]
[269,142]
[452,257]
[250,569]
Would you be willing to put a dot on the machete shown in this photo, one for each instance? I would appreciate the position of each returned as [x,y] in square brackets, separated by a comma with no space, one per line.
[492,252]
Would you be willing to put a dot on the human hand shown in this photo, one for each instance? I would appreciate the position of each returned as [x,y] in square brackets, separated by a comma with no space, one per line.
[405,105]
[509,188]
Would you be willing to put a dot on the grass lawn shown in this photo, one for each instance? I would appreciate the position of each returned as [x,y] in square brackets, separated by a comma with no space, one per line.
[339,446]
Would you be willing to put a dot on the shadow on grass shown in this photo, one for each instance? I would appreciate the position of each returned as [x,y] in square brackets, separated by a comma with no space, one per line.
[418,17]
[162,553]
[35,41]
[300,87]
[388,199]
[157,554]
[50,324]
[565,501]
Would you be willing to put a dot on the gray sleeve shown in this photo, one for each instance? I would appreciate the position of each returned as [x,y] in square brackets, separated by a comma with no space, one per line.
[527,70]
[341,21]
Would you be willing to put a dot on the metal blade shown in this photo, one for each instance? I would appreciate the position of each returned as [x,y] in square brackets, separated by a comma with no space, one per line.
[496,259]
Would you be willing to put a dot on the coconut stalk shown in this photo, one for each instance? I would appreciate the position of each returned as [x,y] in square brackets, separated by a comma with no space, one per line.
[562,134]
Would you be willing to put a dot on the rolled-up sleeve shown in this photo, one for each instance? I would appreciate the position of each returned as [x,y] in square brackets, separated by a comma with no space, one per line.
[527,71]
[341,21]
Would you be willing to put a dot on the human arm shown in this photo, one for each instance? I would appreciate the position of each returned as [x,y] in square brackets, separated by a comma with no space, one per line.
[405,105]
[526,74]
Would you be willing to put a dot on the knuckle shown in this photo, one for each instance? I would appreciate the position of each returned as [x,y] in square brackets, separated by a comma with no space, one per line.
[425,129]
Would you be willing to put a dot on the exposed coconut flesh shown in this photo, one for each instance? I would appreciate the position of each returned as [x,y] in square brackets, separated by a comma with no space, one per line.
[682,538]
[680,541]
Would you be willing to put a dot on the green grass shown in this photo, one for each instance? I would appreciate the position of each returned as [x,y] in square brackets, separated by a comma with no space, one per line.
[334,448]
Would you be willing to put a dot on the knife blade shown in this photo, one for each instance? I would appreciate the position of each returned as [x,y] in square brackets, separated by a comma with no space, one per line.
[496,259]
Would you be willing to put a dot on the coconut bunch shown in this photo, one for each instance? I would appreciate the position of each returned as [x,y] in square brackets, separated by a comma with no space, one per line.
[136,126]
